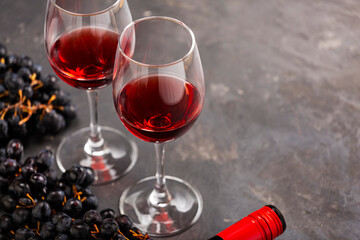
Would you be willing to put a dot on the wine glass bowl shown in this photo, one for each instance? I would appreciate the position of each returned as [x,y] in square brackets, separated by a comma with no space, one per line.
[82,66]
[81,38]
[158,90]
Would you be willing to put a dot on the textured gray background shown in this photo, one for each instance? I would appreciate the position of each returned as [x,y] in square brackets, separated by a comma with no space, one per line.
[281,116]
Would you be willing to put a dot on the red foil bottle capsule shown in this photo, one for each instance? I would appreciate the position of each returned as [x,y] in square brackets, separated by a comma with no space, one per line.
[267,223]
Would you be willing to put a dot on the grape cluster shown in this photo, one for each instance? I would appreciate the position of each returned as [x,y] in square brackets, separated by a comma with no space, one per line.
[41,206]
[30,102]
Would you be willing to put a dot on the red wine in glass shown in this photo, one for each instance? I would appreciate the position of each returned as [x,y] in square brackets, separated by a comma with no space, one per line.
[81,40]
[158,93]
[158,108]
[84,57]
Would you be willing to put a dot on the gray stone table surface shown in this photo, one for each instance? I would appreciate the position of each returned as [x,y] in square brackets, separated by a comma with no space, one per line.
[281,116]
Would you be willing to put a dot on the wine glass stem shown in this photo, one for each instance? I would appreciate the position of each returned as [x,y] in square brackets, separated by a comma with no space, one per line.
[160,196]
[96,141]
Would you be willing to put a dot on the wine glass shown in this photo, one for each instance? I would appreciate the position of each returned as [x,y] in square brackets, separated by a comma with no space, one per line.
[158,90]
[81,38]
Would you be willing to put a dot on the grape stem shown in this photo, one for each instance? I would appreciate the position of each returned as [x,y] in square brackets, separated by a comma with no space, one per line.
[25,106]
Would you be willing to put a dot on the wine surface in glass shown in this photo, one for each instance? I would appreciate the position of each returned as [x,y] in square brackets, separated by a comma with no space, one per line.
[84,57]
[158,108]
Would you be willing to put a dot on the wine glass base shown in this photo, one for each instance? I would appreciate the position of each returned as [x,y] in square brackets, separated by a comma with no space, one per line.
[116,158]
[183,210]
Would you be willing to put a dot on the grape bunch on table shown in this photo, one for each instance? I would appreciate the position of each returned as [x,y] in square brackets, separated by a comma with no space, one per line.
[39,205]
[30,101]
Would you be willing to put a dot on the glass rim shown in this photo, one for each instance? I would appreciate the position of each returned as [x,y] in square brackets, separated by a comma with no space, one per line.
[191,49]
[89,14]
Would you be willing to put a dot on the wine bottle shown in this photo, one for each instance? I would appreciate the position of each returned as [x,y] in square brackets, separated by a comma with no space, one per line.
[267,223]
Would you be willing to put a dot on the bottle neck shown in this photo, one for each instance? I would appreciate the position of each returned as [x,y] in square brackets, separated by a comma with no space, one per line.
[216,238]
[266,223]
